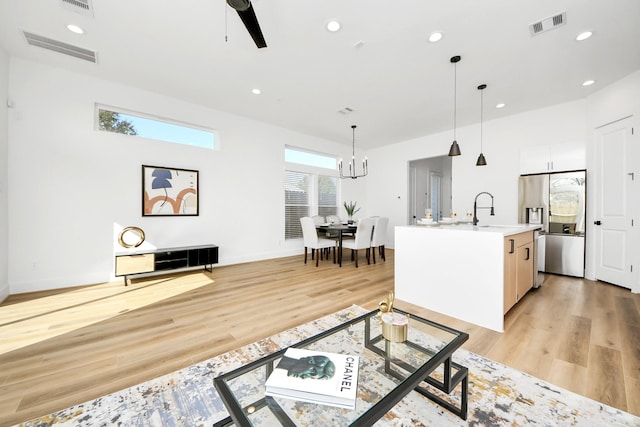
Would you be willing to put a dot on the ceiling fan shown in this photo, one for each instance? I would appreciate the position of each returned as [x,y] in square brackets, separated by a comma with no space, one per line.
[248,17]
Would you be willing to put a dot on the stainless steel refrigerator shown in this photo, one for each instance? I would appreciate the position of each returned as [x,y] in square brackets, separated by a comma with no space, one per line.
[557,202]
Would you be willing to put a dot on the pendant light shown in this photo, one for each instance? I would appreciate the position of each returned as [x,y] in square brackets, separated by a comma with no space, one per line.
[455,149]
[481,160]
[352,163]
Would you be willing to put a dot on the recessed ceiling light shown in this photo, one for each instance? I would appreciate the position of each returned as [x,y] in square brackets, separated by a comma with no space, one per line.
[588,82]
[75,29]
[434,37]
[256,91]
[333,26]
[501,105]
[583,36]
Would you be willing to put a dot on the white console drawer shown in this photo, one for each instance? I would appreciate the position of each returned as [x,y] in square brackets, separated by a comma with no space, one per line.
[133,264]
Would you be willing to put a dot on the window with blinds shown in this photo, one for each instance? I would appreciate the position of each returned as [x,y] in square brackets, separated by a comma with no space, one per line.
[309,190]
[296,202]
[327,195]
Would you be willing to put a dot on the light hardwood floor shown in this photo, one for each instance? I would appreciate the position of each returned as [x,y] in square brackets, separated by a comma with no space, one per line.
[60,348]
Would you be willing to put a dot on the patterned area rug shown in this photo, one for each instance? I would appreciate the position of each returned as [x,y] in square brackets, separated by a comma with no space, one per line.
[498,395]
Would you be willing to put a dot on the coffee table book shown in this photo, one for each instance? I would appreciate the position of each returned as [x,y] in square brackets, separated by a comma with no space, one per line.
[315,377]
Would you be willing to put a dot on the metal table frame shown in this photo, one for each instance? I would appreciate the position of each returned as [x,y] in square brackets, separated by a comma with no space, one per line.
[238,414]
[340,229]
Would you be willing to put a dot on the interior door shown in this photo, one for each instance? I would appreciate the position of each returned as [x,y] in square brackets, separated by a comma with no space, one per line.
[613,220]
[436,195]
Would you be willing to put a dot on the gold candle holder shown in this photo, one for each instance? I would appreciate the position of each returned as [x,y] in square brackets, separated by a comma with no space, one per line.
[395,326]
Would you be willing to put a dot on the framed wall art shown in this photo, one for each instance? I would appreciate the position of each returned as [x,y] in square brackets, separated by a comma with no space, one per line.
[169,191]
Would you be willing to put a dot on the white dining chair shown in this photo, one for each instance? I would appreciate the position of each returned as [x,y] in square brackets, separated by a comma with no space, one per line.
[362,239]
[379,236]
[318,219]
[313,242]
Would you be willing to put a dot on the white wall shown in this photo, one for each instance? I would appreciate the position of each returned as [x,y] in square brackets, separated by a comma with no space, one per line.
[502,140]
[4,222]
[73,188]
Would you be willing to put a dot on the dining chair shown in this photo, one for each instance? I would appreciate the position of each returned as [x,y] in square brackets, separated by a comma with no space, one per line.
[362,239]
[312,241]
[335,219]
[379,236]
[318,219]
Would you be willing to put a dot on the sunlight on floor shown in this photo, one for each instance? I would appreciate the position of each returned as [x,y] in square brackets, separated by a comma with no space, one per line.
[29,322]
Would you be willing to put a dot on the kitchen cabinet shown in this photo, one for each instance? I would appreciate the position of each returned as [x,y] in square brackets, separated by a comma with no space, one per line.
[459,269]
[519,267]
[552,158]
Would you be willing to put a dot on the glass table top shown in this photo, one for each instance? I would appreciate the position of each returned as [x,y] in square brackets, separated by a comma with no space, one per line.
[387,372]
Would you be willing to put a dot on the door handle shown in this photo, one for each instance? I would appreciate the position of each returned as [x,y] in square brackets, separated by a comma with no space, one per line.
[597,222]
[512,245]
[527,257]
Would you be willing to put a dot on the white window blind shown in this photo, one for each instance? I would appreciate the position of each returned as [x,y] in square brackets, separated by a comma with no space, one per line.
[327,195]
[296,202]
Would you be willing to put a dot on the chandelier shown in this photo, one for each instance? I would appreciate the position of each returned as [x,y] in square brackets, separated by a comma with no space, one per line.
[352,163]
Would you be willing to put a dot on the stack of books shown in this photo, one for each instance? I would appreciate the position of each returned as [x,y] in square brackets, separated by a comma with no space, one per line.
[315,377]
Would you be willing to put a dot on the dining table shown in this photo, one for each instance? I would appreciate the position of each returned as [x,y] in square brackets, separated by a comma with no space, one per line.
[339,229]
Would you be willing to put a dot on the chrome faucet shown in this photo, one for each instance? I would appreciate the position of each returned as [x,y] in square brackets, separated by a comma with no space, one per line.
[475,207]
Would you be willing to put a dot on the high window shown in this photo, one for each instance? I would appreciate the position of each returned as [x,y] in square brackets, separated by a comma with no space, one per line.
[110,119]
[309,188]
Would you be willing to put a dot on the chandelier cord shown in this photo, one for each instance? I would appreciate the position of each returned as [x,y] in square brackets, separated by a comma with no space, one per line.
[455,97]
[481,116]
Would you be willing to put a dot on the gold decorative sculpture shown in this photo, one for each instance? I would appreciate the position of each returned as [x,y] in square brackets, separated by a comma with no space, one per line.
[131,230]
[386,305]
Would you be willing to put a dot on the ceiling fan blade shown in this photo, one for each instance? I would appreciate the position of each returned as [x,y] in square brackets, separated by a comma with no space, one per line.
[250,21]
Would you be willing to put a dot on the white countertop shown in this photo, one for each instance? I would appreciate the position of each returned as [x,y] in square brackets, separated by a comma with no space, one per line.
[505,230]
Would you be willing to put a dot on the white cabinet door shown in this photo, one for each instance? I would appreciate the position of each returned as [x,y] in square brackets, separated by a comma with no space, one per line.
[552,158]
[534,159]
[567,156]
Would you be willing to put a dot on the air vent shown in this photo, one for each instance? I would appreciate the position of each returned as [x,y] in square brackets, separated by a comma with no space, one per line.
[60,47]
[80,6]
[548,24]
[346,110]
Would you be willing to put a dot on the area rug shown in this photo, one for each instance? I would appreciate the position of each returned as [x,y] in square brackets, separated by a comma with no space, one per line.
[498,395]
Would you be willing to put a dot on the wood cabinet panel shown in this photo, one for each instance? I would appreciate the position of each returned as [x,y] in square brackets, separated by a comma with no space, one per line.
[518,267]
[525,269]
[134,264]
[510,293]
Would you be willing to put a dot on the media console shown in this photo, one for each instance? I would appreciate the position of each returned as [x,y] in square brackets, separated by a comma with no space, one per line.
[130,263]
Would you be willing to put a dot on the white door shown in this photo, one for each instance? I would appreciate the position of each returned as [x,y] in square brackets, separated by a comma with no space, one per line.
[613,222]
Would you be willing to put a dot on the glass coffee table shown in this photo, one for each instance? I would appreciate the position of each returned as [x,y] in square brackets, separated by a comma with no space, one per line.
[388,371]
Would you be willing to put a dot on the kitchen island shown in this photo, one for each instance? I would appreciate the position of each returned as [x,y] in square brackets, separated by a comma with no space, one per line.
[473,273]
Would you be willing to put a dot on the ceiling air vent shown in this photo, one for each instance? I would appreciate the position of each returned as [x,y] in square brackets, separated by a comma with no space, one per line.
[60,47]
[80,6]
[346,110]
[548,24]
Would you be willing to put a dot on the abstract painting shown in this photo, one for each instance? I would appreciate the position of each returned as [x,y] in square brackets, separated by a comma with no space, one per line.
[169,191]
